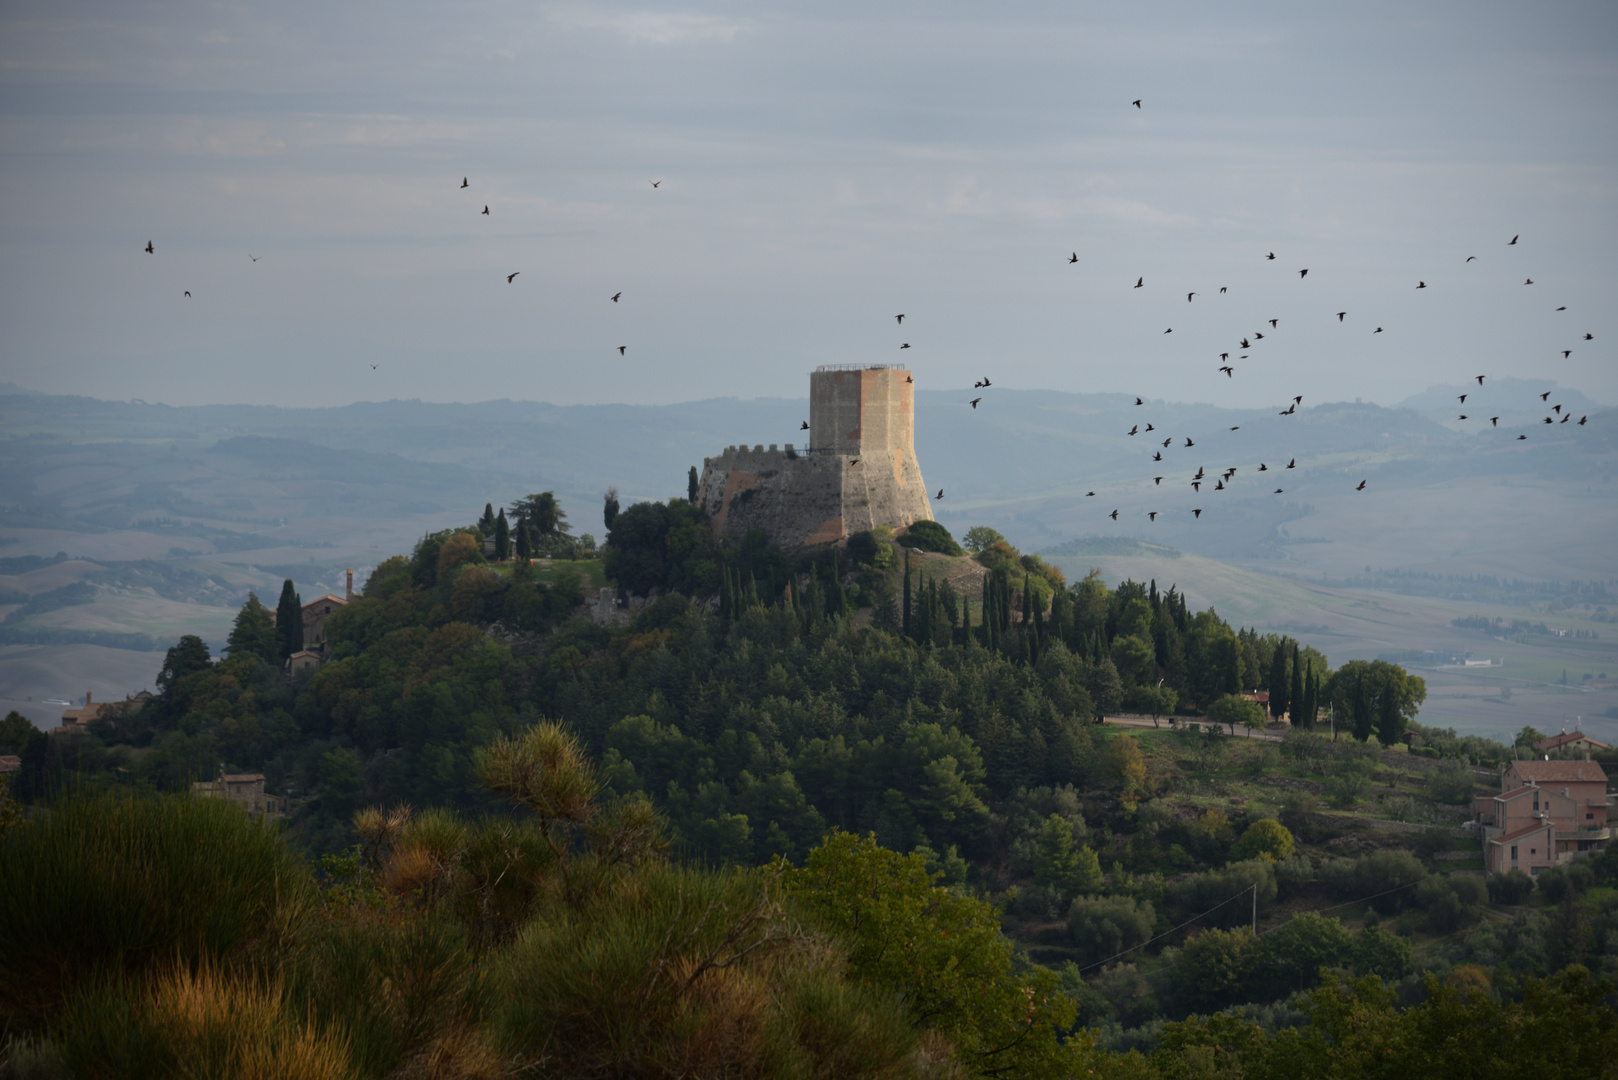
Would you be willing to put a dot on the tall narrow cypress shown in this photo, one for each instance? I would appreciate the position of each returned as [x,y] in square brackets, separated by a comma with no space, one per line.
[502,537]
[1295,698]
[289,620]
[1278,680]
[904,618]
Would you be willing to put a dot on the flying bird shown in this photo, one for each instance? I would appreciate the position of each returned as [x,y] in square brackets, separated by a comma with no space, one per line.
[1469,258]
[1361,487]
[1188,296]
[1197,512]
[1157,481]
[1461,417]
[622,349]
[899,318]
[1113,515]
[1235,427]
[1340,315]
[1271,255]
[1197,485]
[1073,258]
[655,183]
[975,401]
[1273,323]
[1149,427]
[1136,103]
[188,292]
[149,249]
[1480,380]
[1138,401]
[1139,282]
[1152,514]
[1546,396]
[1303,273]
[804,426]
[1520,438]
[1566,353]
[1421,284]
[1088,494]
[1530,281]
[1219,485]
[512,277]
[1221,290]
[906,345]
[1566,418]
[1548,420]
[464,183]
[1188,442]
[1557,409]
[1463,399]
[1562,308]
[1157,456]
[1298,400]
[986,381]
[1263,467]
[615,296]
[1229,372]
[909,379]
[1293,464]
[853,461]
[1170,330]
[1378,330]
[1589,337]
[1245,345]
[485,209]
[940,494]
[1257,336]
[1494,421]
[255,258]
[1513,240]
[373,367]
[1135,429]
[1224,356]
[1167,441]
[1582,419]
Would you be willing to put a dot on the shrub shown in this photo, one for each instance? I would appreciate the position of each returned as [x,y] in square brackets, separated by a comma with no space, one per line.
[1450,903]
[1224,893]
[930,536]
[1233,709]
[1265,838]
[1512,887]
[1294,874]
[1104,926]
[1383,877]
[1451,782]
[119,883]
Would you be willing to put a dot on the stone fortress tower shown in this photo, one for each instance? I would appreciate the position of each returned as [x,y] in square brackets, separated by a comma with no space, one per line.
[859,471]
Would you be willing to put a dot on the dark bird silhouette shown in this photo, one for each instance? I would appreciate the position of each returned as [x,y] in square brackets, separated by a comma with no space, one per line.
[1513,239]
[906,345]
[1167,441]
[940,494]
[1273,323]
[909,379]
[1520,438]
[1340,315]
[1548,420]
[1245,345]
[1546,396]
[986,381]
[1113,515]
[1152,514]
[623,349]
[1235,427]
[1230,372]
[1221,290]
[1139,282]
[1157,481]
[1480,380]
[804,426]
[485,209]
[1566,353]
[1469,258]
[655,183]
[1263,467]
[1136,103]
[1303,273]
[1566,418]
[1271,255]
[1562,308]
[1196,485]
[1224,356]
[1200,472]
[1582,419]
[1421,284]
[1149,427]
[188,292]
[853,461]
[1529,281]
[1135,429]
[512,277]
[1463,399]
[1073,258]
[1170,330]
[1277,491]
[1188,296]
[373,367]
[1494,421]
[1378,330]
[1197,512]
[1219,485]
[1461,417]
[899,318]
[1088,494]
[1188,442]
[1589,337]
[255,258]
[975,401]
[1157,456]
[1293,464]
[1257,336]
[464,182]
[1298,400]
[1361,487]
[615,296]
[1138,401]
[149,249]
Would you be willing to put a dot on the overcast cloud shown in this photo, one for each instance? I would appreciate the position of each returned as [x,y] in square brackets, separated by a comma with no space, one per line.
[823,167]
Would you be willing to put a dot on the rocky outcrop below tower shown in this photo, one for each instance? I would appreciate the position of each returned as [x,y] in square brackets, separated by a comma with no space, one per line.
[860,471]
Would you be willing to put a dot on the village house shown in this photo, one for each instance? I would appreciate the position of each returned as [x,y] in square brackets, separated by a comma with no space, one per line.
[1547,813]
[315,613]
[77,720]
[244,789]
[1568,742]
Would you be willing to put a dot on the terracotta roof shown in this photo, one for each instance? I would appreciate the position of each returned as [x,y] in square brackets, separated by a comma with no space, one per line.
[242,778]
[1556,742]
[10,763]
[1526,830]
[1516,793]
[1559,772]
[327,599]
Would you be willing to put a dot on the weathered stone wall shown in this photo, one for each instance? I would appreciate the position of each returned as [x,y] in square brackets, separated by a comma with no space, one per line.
[861,471]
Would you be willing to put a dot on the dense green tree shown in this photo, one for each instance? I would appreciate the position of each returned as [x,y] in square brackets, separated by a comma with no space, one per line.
[691,485]
[609,507]
[253,634]
[930,536]
[186,657]
[288,621]
[502,537]
[1279,685]
[662,545]
[1295,690]
[1104,926]
[1265,838]
[1233,709]
[15,731]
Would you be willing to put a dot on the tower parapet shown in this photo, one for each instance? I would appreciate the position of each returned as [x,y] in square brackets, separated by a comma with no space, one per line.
[859,472]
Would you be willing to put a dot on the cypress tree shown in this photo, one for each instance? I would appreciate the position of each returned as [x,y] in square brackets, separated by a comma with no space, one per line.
[691,485]
[502,537]
[1295,698]
[609,508]
[966,621]
[1278,679]
[984,603]
[837,602]
[904,615]
[486,522]
[288,621]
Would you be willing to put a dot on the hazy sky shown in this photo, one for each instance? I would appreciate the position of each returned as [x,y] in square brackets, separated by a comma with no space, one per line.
[824,167]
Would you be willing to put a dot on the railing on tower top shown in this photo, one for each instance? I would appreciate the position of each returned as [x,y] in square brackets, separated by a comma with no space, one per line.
[860,367]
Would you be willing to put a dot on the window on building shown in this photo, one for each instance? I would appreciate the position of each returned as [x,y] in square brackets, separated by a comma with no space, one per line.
[1513,852]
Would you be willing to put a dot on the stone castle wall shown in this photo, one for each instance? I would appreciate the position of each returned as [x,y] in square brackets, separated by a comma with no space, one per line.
[860,472]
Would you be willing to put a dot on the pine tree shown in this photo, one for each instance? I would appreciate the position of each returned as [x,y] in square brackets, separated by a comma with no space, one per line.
[253,634]
[486,522]
[288,621]
[691,485]
[502,537]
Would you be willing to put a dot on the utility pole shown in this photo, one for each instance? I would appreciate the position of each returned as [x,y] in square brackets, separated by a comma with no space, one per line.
[1255,909]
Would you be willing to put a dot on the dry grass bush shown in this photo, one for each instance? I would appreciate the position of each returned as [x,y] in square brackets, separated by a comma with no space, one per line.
[679,973]
[204,1023]
[119,883]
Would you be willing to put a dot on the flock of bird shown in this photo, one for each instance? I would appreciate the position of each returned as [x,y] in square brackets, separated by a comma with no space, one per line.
[1223,479]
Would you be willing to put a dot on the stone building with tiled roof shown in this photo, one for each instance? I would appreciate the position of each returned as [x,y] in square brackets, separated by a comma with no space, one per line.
[1569,742]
